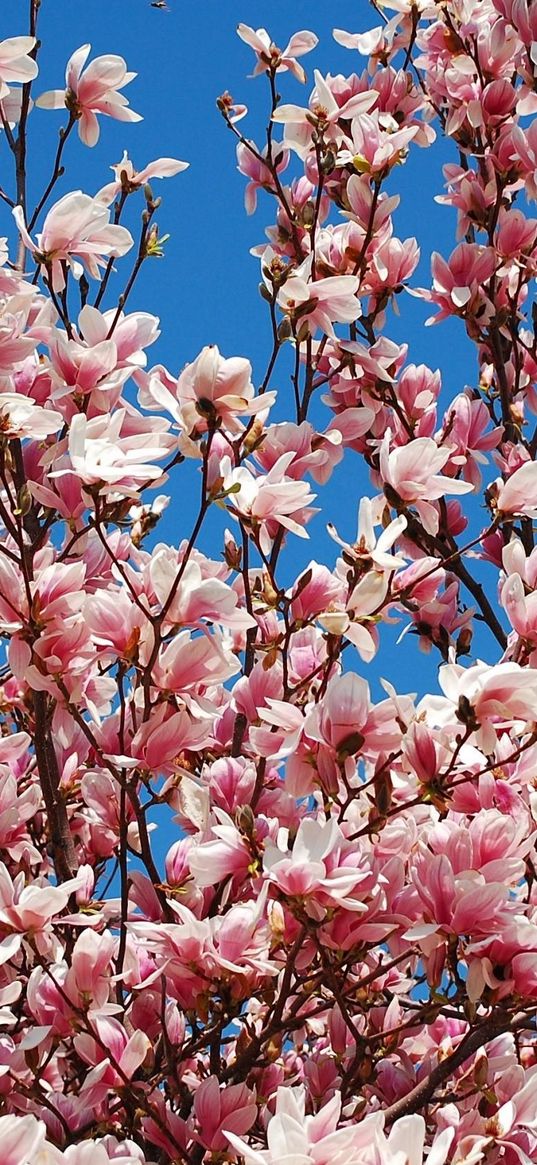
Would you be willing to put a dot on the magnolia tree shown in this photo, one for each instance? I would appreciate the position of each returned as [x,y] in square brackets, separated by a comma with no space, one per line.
[337,960]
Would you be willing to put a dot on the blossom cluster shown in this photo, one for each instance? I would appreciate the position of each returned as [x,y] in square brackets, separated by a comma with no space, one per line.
[336,960]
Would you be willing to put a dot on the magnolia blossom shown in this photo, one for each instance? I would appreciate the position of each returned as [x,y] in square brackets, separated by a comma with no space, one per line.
[104,458]
[28,909]
[15,62]
[457,282]
[272,59]
[23,1140]
[520,607]
[367,547]
[271,499]
[211,390]
[376,144]
[412,471]
[495,696]
[16,343]
[321,868]
[375,564]
[196,597]
[77,231]
[11,108]
[296,1139]
[232,1108]
[22,417]
[251,164]
[129,179]
[518,495]
[320,303]
[324,114]
[92,91]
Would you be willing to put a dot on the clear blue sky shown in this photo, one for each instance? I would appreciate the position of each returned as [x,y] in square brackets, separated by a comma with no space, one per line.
[205,290]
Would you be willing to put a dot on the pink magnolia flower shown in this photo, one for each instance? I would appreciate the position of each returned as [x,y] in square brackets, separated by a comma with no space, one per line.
[272,59]
[465,426]
[323,869]
[89,977]
[93,91]
[315,453]
[458,282]
[212,388]
[22,417]
[77,231]
[17,343]
[290,1131]
[269,500]
[376,565]
[127,1053]
[28,909]
[15,62]
[392,264]
[197,597]
[163,737]
[367,548]
[132,333]
[314,591]
[104,456]
[497,695]
[521,608]
[257,171]
[323,114]
[320,303]
[102,1152]
[215,1109]
[11,107]
[413,471]
[518,495]
[127,178]
[456,902]
[366,43]
[515,233]
[346,721]
[377,143]
[294,1138]
[188,664]
[77,370]
[22,1137]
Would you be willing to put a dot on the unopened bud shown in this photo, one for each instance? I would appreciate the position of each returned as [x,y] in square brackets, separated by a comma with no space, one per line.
[253,437]
[232,552]
[24,500]
[270,594]
[464,642]
[245,820]
[481,1070]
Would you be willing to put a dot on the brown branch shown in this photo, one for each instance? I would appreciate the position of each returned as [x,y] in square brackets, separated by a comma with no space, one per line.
[472,1041]
[61,840]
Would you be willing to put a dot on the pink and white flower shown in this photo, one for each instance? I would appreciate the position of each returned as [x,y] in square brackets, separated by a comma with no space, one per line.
[77,232]
[272,59]
[130,180]
[110,461]
[413,472]
[91,91]
[16,64]
[319,303]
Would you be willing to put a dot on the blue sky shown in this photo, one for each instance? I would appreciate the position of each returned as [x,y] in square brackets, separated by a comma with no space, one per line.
[205,290]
